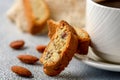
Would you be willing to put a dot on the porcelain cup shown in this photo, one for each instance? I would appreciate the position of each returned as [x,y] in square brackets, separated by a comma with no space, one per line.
[103,26]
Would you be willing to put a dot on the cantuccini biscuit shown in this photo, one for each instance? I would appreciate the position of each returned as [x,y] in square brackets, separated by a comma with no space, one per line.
[30,15]
[60,49]
[83,41]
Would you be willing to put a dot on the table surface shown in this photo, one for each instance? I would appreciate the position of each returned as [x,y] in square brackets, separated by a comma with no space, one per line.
[76,69]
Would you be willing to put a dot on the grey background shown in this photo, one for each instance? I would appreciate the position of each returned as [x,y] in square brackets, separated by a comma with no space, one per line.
[8,32]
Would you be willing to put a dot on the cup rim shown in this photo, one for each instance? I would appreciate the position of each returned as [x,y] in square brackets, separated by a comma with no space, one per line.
[102,6]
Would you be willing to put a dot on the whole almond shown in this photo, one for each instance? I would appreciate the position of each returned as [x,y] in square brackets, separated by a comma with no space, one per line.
[21,71]
[29,59]
[17,44]
[41,48]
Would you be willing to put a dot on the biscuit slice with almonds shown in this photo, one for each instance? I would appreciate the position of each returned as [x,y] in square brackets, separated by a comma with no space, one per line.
[30,15]
[60,50]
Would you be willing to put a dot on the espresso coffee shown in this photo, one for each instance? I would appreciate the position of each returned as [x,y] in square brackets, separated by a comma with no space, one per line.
[110,3]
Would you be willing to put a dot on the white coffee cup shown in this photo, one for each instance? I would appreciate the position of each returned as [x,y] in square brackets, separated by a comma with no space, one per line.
[103,26]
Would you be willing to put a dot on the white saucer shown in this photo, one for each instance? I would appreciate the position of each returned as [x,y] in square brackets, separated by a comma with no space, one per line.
[94,61]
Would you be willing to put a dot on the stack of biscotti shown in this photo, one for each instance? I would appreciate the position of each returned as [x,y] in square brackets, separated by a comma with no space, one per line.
[30,15]
[60,50]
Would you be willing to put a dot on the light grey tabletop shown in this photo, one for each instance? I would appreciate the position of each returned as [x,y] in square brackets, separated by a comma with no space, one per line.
[76,70]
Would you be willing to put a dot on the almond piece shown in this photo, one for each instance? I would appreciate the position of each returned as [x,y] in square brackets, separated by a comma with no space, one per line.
[29,59]
[21,71]
[41,48]
[17,44]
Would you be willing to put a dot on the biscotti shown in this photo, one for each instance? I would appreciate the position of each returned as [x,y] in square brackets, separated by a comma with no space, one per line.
[60,49]
[52,25]
[83,41]
[17,15]
[30,15]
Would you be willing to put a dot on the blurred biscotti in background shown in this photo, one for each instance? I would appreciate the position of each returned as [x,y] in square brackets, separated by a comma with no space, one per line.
[30,15]
[72,11]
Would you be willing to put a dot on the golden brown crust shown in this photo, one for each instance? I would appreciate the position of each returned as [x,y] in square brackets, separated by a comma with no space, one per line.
[55,67]
[35,26]
[52,25]
[28,13]
[51,72]
[83,41]
[71,29]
